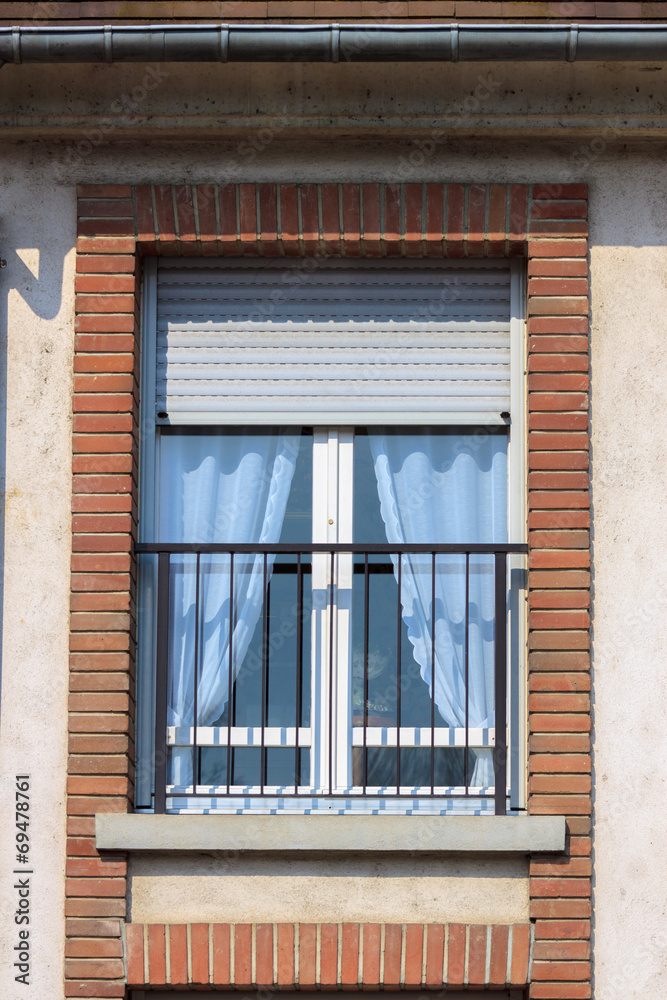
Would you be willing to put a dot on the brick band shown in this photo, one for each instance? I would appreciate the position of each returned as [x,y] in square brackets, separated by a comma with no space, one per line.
[311,956]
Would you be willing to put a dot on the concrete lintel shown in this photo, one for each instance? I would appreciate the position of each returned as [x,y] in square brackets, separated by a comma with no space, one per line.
[425,834]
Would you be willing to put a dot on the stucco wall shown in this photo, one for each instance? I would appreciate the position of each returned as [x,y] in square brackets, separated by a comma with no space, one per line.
[36,239]
[331,889]
[629,287]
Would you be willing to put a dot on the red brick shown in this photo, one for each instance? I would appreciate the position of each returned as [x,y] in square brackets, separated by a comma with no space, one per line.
[518,217]
[553,681]
[498,964]
[392,956]
[93,968]
[562,867]
[560,908]
[185,213]
[497,211]
[434,955]
[247,217]
[330,219]
[520,954]
[178,962]
[199,944]
[555,783]
[99,264]
[559,743]
[351,220]
[264,954]
[434,219]
[289,216]
[105,283]
[97,867]
[476,220]
[105,245]
[110,209]
[146,228]
[456,954]
[229,227]
[111,887]
[557,930]
[455,206]
[477,955]
[560,991]
[328,954]
[414,937]
[561,970]
[307,954]
[285,955]
[156,954]
[134,938]
[221,954]
[350,955]
[392,220]
[548,805]
[93,948]
[371,217]
[371,943]
[208,226]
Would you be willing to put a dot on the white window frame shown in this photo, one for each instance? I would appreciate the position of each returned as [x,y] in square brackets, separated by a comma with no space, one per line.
[332,523]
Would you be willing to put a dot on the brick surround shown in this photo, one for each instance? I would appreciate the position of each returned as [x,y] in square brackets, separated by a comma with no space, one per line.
[118,224]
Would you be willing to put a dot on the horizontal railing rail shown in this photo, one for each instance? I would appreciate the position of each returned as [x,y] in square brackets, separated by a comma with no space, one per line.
[367,731]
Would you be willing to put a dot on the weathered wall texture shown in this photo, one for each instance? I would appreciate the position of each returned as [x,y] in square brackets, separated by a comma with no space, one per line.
[628,218]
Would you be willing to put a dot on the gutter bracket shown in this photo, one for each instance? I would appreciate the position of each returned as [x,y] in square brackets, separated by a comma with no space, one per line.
[16,45]
[224,43]
[572,42]
[335,43]
[454,40]
[108,44]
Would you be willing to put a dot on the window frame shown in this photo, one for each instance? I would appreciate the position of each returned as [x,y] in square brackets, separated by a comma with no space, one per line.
[323,531]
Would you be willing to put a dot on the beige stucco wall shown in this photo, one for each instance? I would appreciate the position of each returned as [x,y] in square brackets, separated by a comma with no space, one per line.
[329,889]
[629,286]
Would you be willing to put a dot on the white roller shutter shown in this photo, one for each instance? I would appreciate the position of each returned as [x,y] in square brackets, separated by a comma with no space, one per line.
[332,342]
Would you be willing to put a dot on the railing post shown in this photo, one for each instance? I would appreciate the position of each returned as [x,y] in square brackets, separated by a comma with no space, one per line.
[500,677]
[161,673]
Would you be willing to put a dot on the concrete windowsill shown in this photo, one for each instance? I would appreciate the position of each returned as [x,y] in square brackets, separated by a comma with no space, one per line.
[427,834]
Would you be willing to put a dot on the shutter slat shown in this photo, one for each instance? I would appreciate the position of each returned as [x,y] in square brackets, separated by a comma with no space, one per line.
[381,337]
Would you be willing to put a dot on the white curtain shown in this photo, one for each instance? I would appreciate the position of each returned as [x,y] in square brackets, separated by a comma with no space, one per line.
[217,488]
[447,488]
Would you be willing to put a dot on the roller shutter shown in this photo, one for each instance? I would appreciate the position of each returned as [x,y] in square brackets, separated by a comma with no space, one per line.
[345,341]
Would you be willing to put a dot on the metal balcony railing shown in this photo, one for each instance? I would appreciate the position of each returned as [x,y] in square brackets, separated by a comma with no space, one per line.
[339,745]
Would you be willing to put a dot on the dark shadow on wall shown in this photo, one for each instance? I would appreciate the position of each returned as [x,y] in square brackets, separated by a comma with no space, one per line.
[43,295]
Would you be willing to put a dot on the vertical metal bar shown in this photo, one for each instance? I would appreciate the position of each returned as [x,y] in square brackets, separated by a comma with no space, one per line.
[398,678]
[161,680]
[331,664]
[230,703]
[466,640]
[299,668]
[500,678]
[364,751]
[433,673]
[265,659]
[195,709]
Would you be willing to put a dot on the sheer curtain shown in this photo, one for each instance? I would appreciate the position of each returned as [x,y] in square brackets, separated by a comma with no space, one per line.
[447,488]
[230,487]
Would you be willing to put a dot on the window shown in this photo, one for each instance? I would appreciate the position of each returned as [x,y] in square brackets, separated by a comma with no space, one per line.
[328,500]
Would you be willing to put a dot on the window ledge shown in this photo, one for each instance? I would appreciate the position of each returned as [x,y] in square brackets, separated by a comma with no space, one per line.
[427,834]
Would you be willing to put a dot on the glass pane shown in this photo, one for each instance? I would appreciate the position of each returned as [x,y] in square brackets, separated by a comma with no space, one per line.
[382,766]
[219,484]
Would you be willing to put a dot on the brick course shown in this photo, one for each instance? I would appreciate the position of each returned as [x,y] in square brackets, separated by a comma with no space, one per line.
[373,220]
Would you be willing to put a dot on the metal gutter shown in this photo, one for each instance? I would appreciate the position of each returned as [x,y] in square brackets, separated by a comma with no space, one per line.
[334,43]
